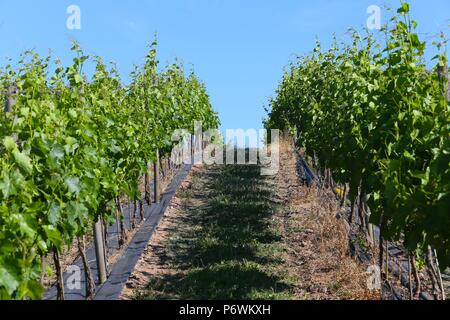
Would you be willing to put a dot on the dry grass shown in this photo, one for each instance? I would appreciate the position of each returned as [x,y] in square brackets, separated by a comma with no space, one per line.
[318,242]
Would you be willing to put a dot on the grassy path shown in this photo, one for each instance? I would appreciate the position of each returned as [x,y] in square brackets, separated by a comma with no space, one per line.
[233,234]
[224,243]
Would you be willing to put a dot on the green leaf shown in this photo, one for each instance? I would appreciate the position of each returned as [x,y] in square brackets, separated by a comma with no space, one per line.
[408,156]
[24,112]
[73,185]
[78,79]
[23,161]
[404,9]
[9,143]
[57,152]
[423,176]
[54,214]
[78,210]
[35,290]
[7,186]
[8,278]
[73,114]
[53,235]
[42,245]
[71,145]
[24,226]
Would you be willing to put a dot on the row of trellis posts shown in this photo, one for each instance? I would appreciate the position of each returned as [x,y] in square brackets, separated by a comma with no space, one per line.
[99,232]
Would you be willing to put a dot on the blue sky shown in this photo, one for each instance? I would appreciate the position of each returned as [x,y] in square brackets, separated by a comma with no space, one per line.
[237,47]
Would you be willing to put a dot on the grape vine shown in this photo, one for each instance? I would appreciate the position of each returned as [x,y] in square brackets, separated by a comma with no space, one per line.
[378,118]
[72,145]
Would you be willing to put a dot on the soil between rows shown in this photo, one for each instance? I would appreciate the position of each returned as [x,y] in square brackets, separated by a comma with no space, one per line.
[232,234]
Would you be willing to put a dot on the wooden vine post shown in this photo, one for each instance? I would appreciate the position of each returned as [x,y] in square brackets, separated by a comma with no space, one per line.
[156,178]
[9,99]
[192,150]
[443,78]
[99,243]
[11,90]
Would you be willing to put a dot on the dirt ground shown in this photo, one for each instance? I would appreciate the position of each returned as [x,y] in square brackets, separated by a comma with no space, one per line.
[312,251]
